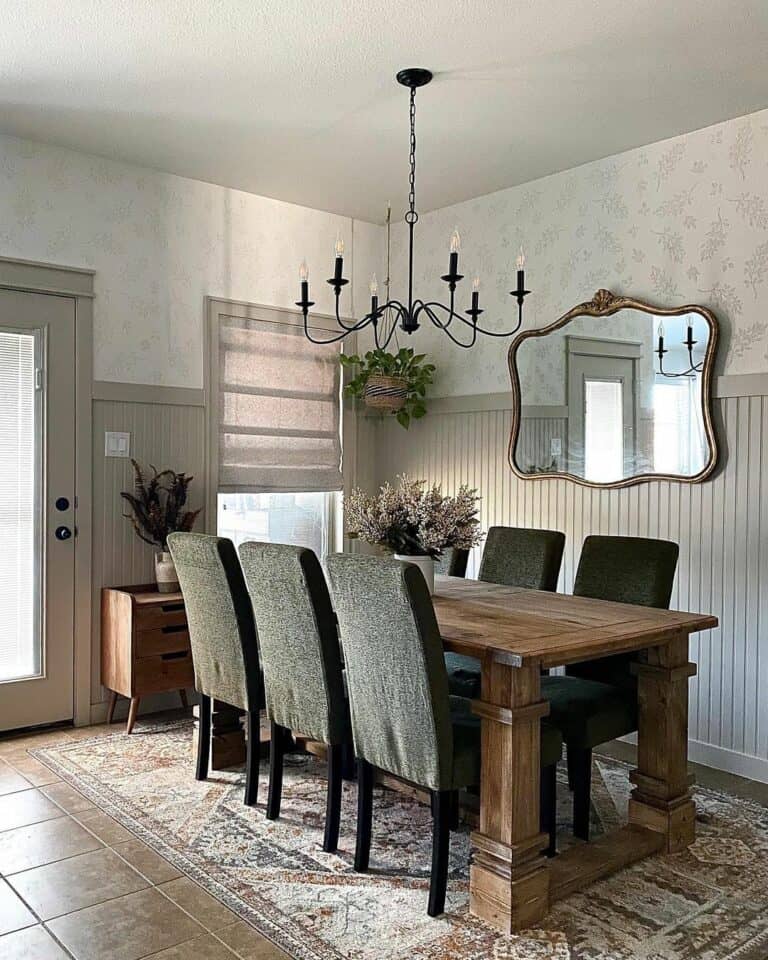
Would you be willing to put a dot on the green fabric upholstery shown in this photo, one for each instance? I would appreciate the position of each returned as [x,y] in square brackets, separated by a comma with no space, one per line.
[396,679]
[453,562]
[518,557]
[222,633]
[588,713]
[515,557]
[625,570]
[298,642]
[597,700]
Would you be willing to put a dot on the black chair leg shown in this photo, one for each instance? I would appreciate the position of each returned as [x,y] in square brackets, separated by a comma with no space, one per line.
[277,742]
[581,760]
[442,807]
[455,811]
[203,738]
[364,815]
[253,733]
[333,803]
[548,805]
[348,761]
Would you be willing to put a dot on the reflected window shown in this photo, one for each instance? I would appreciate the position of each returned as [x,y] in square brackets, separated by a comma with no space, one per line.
[603,430]
[678,434]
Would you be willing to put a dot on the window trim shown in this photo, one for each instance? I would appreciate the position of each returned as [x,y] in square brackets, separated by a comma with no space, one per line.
[215,307]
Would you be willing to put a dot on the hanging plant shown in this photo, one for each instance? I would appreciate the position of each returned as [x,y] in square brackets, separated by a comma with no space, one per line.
[394,383]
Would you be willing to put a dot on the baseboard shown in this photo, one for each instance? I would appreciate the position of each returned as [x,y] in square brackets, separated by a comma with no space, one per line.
[153,703]
[721,758]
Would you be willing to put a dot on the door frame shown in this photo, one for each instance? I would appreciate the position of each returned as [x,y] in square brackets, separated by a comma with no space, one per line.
[75,283]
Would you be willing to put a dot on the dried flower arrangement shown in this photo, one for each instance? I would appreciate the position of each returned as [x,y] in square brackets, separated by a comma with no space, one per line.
[413,519]
[157,505]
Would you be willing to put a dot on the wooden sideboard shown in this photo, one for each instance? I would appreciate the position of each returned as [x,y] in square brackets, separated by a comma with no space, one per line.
[144,645]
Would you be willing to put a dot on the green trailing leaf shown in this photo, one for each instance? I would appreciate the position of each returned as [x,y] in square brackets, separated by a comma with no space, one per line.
[405,364]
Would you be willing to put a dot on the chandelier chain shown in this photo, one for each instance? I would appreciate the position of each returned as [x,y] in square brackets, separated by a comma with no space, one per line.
[412,156]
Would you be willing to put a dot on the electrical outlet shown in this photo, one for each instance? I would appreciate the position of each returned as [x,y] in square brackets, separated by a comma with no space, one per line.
[117,444]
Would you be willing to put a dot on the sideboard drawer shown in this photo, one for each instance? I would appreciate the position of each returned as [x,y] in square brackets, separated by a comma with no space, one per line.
[171,614]
[166,639]
[171,671]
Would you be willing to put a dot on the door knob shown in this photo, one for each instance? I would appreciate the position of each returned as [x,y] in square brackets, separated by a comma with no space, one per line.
[62,533]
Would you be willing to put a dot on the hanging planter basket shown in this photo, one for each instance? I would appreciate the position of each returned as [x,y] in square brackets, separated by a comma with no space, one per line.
[385,393]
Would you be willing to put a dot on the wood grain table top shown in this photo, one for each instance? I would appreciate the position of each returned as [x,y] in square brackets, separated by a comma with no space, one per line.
[526,627]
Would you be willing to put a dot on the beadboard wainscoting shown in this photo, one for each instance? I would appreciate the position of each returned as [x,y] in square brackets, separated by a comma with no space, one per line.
[721,526]
[167,428]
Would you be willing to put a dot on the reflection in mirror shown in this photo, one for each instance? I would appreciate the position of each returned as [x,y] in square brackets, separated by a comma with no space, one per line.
[615,392]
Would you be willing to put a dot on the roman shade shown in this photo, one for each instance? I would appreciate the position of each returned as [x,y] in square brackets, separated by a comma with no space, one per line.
[278,409]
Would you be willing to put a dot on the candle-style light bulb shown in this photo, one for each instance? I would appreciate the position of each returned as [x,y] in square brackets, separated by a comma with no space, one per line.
[455,242]
[521,260]
[303,271]
[374,286]
[475,284]
[338,263]
[338,247]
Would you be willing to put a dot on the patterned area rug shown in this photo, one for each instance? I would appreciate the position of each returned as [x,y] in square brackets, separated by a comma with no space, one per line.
[708,903]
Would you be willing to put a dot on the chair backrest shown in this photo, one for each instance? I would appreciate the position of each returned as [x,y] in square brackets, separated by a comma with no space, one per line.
[396,676]
[519,557]
[298,641]
[453,562]
[222,633]
[626,570]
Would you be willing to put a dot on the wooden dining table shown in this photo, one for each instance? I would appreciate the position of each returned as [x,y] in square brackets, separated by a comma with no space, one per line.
[515,634]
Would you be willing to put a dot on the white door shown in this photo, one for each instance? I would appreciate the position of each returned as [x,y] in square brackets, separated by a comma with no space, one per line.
[37,508]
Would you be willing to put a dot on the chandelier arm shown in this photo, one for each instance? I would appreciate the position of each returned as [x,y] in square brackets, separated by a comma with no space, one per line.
[487,333]
[427,308]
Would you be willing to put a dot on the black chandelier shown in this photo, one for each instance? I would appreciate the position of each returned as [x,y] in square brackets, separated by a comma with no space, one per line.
[689,343]
[386,318]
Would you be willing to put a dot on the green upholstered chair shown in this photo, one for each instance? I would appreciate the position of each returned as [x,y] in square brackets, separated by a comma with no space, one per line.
[222,636]
[399,702]
[515,557]
[301,661]
[453,562]
[597,700]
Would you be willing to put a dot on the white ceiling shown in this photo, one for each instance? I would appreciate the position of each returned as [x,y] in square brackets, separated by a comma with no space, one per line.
[296,99]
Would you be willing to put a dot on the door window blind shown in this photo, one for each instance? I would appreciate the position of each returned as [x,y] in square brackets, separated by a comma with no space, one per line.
[278,409]
[19,508]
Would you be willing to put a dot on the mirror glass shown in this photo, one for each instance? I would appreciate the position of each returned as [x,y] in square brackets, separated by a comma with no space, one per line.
[599,403]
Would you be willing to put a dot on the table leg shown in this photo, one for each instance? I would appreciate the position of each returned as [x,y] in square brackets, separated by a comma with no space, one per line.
[661,800]
[509,879]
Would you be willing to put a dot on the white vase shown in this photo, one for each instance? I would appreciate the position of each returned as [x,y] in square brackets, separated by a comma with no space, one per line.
[427,567]
[165,573]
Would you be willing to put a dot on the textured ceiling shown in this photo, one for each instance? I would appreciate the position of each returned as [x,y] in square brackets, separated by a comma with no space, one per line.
[297,100]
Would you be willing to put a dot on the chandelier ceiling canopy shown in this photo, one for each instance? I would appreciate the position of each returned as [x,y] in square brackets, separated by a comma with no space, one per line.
[386,318]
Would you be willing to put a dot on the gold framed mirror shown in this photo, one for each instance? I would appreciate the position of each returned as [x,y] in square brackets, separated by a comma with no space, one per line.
[617,391]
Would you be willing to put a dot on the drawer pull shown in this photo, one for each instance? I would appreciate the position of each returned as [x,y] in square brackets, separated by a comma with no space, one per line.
[176,628]
[171,607]
[176,655]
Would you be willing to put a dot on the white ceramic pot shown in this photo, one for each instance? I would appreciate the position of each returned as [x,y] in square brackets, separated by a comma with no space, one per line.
[165,573]
[427,567]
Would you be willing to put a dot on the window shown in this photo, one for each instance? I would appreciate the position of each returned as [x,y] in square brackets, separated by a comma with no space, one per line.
[603,430]
[277,419]
[303,519]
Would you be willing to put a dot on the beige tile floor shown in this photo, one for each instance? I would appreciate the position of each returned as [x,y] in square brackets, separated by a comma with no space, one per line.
[76,885]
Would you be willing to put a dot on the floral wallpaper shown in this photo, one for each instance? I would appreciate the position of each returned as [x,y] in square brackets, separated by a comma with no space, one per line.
[159,244]
[680,221]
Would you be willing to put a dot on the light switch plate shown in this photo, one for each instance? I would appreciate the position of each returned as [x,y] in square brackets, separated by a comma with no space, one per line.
[555,447]
[117,444]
